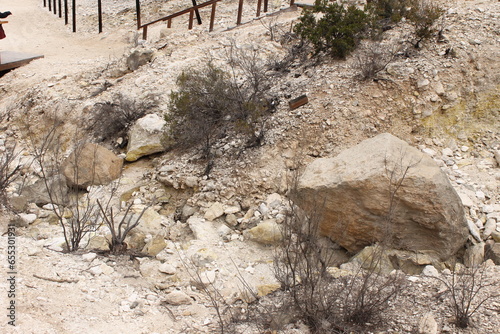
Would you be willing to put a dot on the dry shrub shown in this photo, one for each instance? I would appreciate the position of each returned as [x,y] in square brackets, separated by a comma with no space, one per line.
[111,120]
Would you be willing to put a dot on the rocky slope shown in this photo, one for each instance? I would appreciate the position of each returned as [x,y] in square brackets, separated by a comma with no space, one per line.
[443,99]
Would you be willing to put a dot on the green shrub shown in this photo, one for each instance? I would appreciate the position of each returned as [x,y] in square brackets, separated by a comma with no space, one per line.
[210,105]
[337,30]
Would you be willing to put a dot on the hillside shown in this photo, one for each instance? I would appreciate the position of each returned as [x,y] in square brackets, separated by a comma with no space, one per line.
[443,98]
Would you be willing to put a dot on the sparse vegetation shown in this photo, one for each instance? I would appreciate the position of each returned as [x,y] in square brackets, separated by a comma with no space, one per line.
[76,212]
[8,170]
[119,233]
[111,120]
[329,302]
[466,291]
[337,31]
[212,104]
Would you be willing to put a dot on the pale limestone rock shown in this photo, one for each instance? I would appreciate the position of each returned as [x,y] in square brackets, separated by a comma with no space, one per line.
[155,245]
[355,186]
[178,298]
[91,164]
[98,242]
[215,211]
[268,233]
[474,255]
[427,324]
[202,229]
[146,137]
[167,268]
[430,271]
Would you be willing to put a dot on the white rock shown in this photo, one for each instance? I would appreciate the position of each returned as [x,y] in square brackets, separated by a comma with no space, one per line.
[232,209]
[28,218]
[191,181]
[474,231]
[480,195]
[447,152]
[488,209]
[202,229]
[430,271]
[88,257]
[273,200]
[489,227]
[178,298]
[167,268]
[214,211]
[429,152]
[96,271]
[224,230]
[423,83]
[427,324]
[466,201]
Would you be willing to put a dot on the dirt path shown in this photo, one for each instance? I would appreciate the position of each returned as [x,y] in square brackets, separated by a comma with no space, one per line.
[33,29]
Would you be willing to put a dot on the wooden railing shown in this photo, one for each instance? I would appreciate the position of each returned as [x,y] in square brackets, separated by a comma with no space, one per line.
[194,10]
[190,10]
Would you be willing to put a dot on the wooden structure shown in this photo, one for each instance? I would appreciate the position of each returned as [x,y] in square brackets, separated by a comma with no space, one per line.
[52,4]
[195,10]
[10,59]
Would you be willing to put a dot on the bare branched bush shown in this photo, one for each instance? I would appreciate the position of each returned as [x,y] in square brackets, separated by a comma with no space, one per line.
[119,231]
[8,170]
[76,211]
[373,59]
[467,291]
[111,120]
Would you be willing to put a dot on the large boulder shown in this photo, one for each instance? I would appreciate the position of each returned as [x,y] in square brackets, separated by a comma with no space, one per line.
[146,137]
[384,190]
[91,164]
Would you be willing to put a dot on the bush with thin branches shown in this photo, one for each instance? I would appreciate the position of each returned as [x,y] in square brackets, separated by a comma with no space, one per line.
[8,170]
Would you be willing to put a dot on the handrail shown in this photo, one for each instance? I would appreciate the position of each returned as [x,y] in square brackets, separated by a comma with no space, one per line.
[182,12]
[169,18]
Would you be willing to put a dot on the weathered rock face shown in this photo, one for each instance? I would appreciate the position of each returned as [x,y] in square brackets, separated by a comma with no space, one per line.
[362,203]
[91,164]
[138,58]
[146,137]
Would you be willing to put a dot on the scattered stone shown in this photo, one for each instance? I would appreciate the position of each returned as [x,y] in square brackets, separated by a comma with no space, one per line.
[89,257]
[155,245]
[167,268]
[138,58]
[268,233]
[474,230]
[98,242]
[146,137]
[427,324]
[492,252]
[215,211]
[474,255]
[202,229]
[430,271]
[178,298]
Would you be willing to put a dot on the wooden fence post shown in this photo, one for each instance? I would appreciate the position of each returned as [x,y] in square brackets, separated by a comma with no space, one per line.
[240,10]
[99,14]
[212,17]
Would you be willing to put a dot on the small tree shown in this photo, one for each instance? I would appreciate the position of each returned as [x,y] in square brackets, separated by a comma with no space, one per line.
[119,233]
[211,104]
[8,170]
[336,31]
[76,211]
[466,291]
